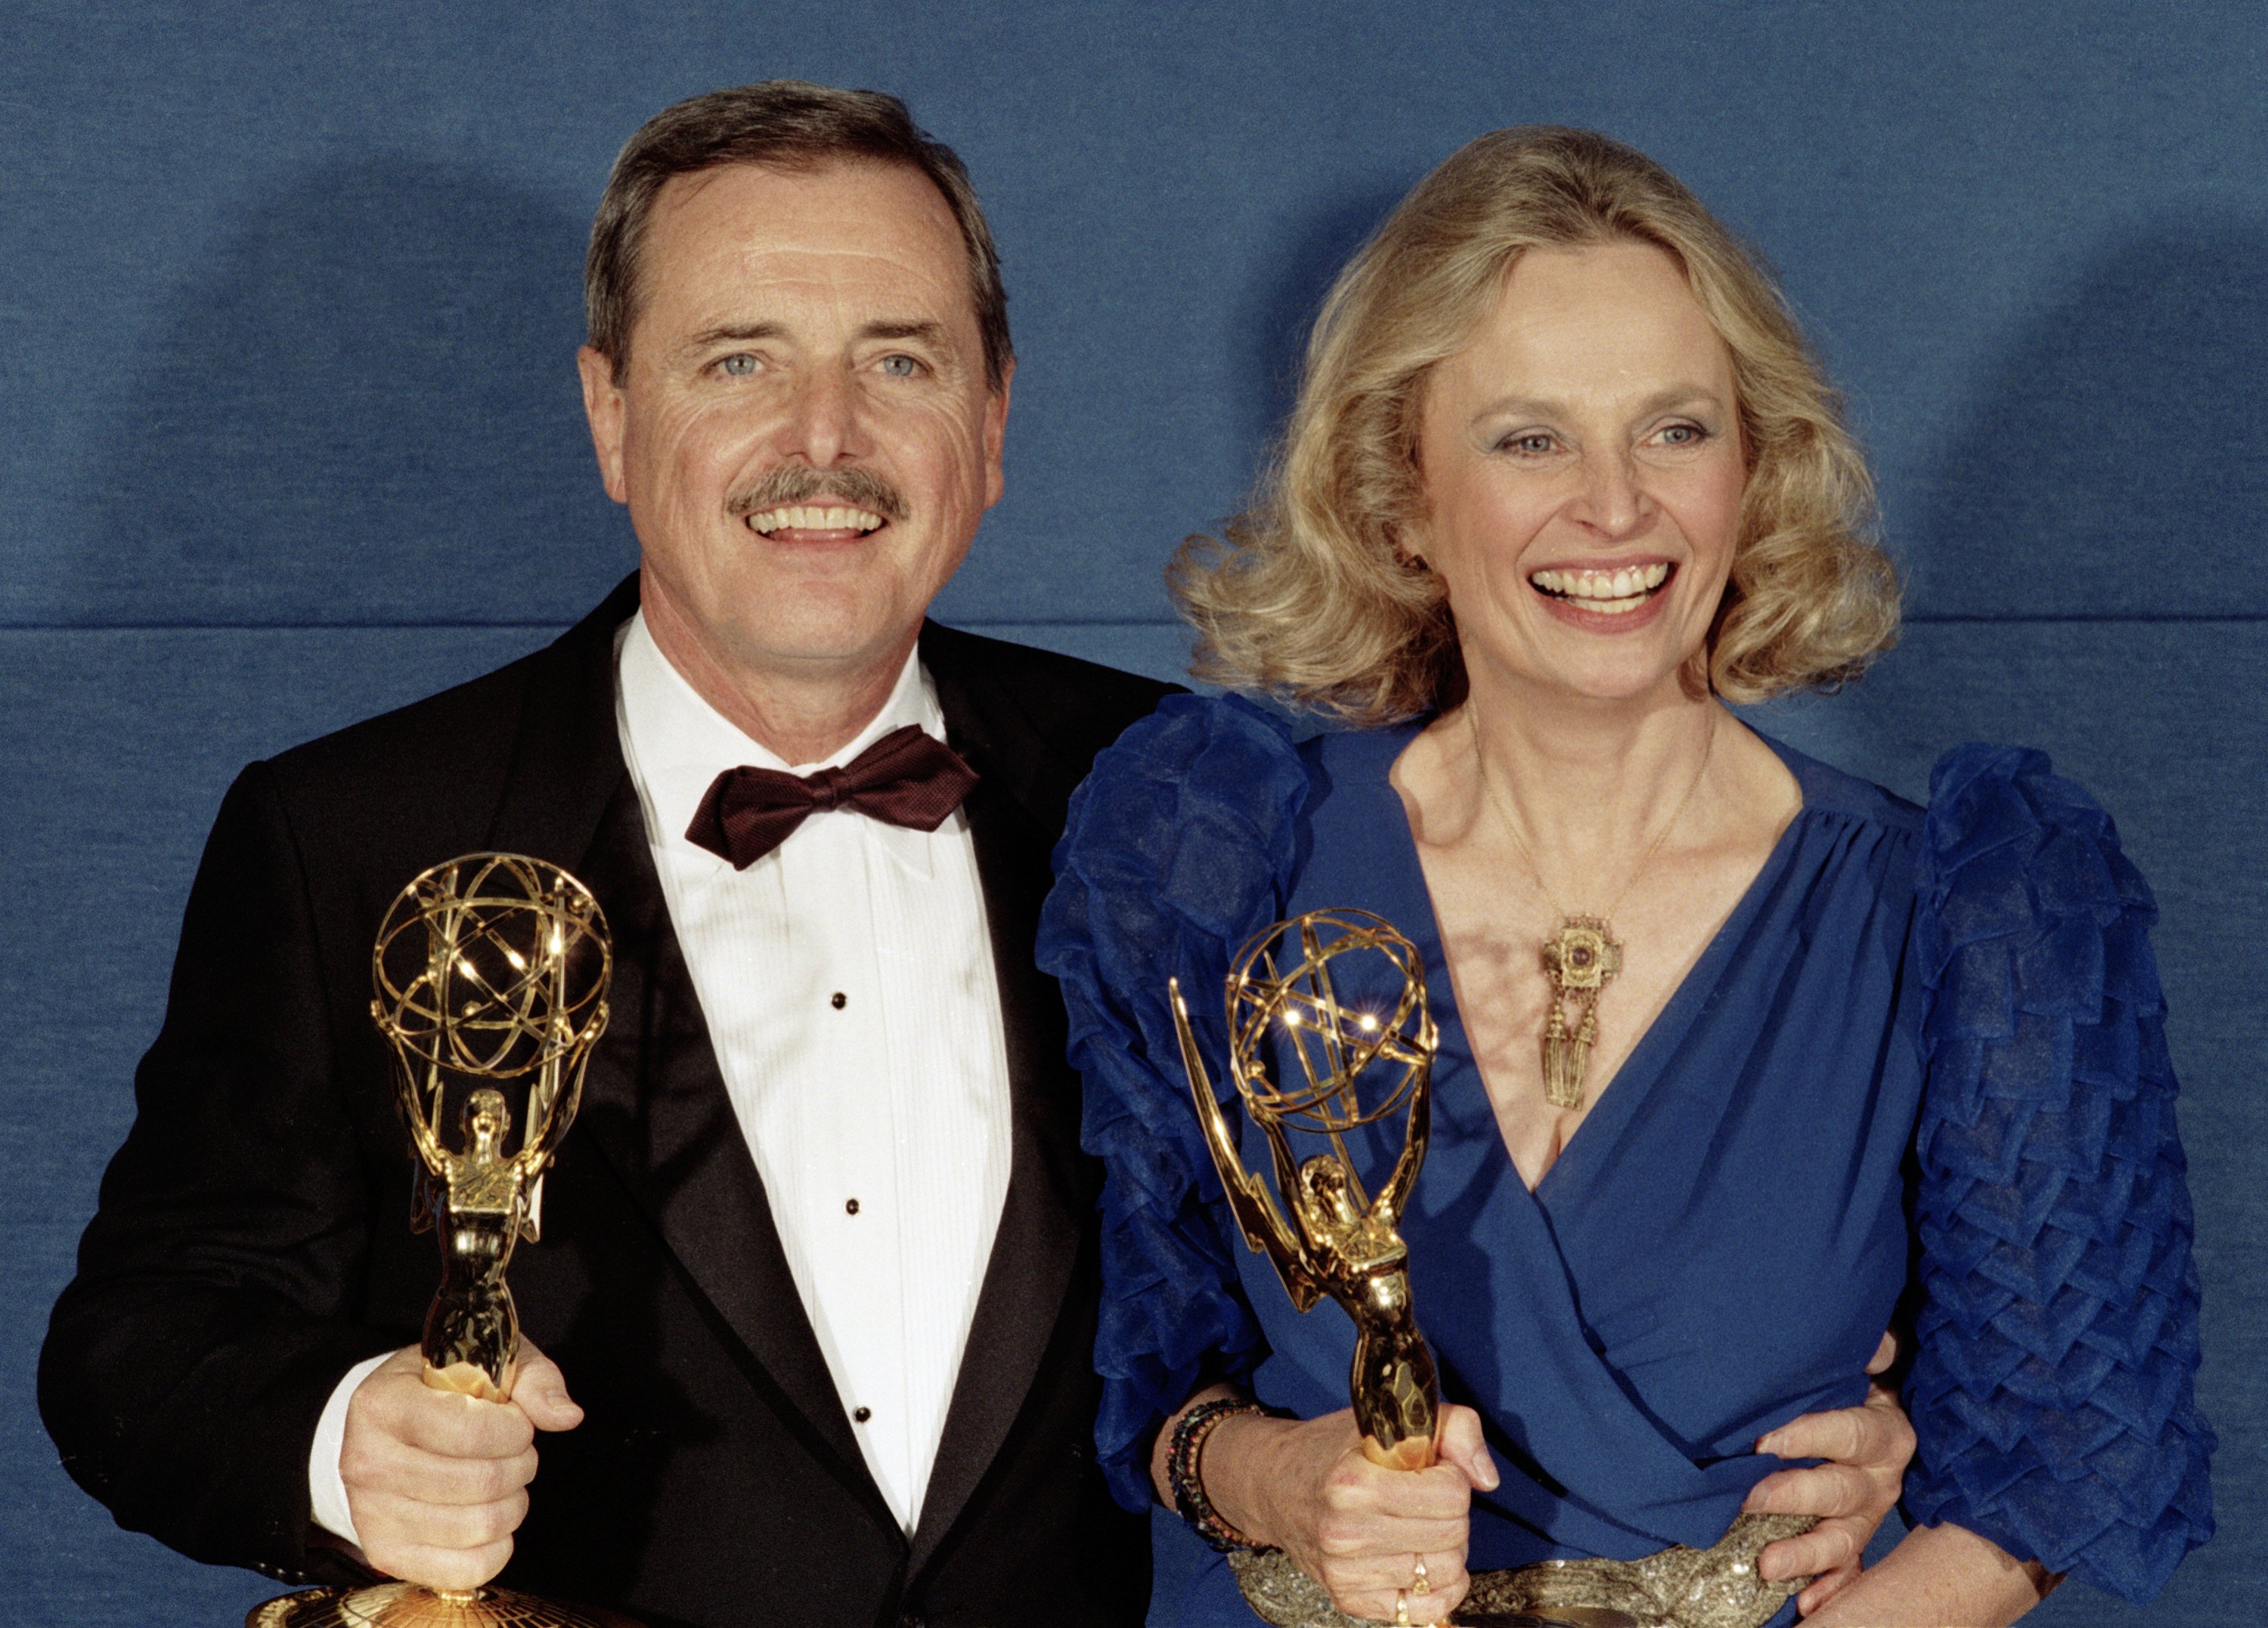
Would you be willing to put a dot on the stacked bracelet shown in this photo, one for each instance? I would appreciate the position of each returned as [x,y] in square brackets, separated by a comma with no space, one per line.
[1184,1479]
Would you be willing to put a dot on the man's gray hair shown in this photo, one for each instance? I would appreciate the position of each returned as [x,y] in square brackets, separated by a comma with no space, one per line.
[786,123]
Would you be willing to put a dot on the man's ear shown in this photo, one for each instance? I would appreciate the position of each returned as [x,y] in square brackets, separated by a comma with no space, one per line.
[603,406]
[995,434]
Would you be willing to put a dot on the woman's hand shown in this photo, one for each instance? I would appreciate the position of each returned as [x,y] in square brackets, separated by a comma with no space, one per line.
[1868,1447]
[1305,1486]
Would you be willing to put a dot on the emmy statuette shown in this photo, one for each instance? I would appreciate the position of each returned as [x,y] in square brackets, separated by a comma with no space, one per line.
[1328,1235]
[490,976]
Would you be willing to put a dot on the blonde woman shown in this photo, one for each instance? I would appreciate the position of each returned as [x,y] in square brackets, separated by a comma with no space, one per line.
[1562,480]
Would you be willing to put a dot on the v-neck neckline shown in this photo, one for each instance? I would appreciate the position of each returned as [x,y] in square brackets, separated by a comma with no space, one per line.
[1642,1066]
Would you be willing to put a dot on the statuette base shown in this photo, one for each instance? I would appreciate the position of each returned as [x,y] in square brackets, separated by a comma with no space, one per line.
[407,1605]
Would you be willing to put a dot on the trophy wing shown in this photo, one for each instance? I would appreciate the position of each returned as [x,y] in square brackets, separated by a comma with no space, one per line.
[426,1193]
[1263,1225]
[562,1095]
[1404,1182]
[430,1152]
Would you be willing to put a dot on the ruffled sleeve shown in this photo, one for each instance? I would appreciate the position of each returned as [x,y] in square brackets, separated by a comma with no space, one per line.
[1179,846]
[2057,1339]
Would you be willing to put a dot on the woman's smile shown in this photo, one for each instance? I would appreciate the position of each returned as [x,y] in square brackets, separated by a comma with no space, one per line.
[1605,598]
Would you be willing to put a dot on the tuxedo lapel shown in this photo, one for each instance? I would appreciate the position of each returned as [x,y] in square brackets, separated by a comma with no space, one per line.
[1036,1247]
[654,1101]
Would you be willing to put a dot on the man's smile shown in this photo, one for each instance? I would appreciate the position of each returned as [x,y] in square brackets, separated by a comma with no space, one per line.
[799,521]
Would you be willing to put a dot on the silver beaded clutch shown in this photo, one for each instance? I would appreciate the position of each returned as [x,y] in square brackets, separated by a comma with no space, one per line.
[1673,1588]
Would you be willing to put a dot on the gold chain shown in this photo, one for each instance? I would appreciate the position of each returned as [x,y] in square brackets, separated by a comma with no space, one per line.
[1504,817]
[1583,958]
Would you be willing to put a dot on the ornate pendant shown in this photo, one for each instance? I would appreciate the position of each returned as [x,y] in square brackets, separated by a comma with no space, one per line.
[1579,961]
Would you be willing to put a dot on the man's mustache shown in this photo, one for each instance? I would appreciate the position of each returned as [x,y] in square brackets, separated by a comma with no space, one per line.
[799,483]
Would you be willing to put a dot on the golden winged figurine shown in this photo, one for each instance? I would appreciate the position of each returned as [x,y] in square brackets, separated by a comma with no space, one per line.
[490,969]
[1328,1237]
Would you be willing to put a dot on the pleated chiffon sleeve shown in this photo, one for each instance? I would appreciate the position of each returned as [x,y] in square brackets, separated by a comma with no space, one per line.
[2053,1388]
[1178,849]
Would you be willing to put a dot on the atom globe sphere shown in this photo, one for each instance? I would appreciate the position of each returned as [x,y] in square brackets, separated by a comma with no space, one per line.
[490,967]
[1281,984]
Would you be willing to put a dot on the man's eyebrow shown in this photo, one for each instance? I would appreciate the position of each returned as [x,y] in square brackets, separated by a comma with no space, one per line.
[733,332]
[739,333]
[928,332]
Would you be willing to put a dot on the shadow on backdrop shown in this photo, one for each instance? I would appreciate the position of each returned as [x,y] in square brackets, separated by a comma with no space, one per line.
[2101,467]
[2109,462]
[363,408]
[1280,313]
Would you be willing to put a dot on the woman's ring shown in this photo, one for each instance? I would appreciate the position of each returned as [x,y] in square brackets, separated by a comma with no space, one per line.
[1402,1608]
[1420,1582]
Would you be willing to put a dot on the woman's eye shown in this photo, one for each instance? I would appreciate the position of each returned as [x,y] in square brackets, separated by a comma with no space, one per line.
[1534,442]
[899,366]
[1683,435]
[736,366]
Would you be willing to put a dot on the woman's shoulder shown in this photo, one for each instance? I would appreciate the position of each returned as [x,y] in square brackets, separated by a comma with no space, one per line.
[2009,846]
[1831,791]
[1218,746]
[1995,813]
[1189,835]
[1201,771]
[1179,838]
[1986,800]
[1214,761]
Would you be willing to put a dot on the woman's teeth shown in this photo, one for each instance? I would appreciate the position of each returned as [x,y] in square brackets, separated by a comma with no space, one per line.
[1606,593]
[805,517]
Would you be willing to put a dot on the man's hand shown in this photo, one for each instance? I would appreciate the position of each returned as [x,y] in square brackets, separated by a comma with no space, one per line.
[438,1482]
[1868,1447]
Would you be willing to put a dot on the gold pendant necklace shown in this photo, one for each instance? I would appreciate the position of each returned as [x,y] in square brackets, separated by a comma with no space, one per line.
[1583,958]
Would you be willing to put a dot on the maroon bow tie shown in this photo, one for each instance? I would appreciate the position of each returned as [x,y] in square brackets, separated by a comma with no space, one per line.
[907,778]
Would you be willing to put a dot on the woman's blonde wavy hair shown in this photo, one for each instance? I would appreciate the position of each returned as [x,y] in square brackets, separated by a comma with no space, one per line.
[1311,599]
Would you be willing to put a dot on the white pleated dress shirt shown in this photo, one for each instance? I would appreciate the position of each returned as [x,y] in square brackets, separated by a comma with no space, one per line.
[847,982]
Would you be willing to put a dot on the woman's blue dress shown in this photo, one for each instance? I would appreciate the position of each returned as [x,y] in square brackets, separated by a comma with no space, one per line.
[1925,1051]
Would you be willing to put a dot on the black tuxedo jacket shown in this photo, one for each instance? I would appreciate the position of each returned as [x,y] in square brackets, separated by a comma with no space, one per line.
[253,1238]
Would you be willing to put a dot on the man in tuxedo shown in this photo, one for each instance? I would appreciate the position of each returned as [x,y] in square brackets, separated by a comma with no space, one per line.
[816,1293]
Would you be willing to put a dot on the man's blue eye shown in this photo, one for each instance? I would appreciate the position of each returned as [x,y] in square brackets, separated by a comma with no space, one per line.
[900,366]
[738,366]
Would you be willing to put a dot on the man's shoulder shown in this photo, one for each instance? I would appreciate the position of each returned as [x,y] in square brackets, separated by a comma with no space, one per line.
[1036,717]
[435,773]
[1066,698]
[456,723]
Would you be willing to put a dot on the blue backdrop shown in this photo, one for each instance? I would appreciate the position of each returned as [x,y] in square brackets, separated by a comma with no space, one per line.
[289,434]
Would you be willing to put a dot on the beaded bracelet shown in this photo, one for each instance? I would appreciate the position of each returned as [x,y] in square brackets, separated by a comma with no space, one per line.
[1183,1456]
